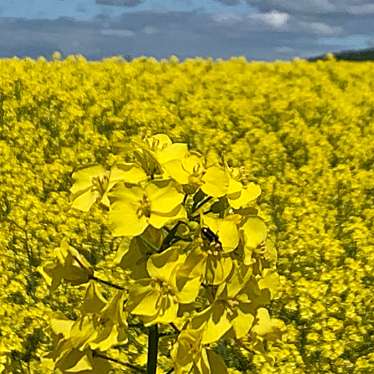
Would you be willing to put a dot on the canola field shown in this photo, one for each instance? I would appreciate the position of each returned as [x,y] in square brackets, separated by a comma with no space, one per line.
[303,131]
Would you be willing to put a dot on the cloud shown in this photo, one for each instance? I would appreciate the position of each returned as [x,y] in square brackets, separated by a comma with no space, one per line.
[81,8]
[273,18]
[320,28]
[227,18]
[321,18]
[117,32]
[261,35]
[285,50]
[370,43]
[296,6]
[150,30]
[230,2]
[309,7]
[362,9]
[126,3]
[354,39]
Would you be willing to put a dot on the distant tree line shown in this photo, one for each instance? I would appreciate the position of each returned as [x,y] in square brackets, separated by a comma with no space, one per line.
[358,55]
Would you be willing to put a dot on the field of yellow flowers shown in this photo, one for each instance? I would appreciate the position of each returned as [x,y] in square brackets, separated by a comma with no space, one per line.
[303,131]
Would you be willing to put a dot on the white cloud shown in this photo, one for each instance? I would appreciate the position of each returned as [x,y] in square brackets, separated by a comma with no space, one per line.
[299,6]
[128,3]
[265,36]
[357,40]
[150,30]
[320,28]
[227,18]
[284,50]
[310,7]
[118,32]
[363,9]
[273,18]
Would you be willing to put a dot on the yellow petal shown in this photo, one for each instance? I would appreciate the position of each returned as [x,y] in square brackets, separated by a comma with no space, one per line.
[226,230]
[248,194]
[176,171]
[163,196]
[124,219]
[176,151]
[254,232]
[159,220]
[144,300]
[216,182]
[129,173]
[243,320]
[84,201]
[83,178]
[162,265]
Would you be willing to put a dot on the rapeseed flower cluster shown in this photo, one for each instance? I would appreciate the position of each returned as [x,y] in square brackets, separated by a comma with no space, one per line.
[304,133]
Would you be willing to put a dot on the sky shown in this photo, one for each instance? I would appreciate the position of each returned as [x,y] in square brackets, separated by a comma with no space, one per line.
[257,29]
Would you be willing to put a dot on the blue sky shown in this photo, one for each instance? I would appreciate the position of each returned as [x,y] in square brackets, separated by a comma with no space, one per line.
[85,9]
[256,29]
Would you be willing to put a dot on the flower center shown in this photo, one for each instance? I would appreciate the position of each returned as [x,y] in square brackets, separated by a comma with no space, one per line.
[100,184]
[144,207]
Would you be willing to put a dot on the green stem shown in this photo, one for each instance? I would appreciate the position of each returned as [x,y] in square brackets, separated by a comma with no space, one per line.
[152,349]
[107,283]
[200,204]
[136,368]
[169,237]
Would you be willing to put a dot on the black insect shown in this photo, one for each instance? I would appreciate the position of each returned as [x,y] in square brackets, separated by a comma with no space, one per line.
[209,235]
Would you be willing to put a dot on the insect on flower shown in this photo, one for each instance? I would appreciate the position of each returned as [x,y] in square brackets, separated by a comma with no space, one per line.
[209,235]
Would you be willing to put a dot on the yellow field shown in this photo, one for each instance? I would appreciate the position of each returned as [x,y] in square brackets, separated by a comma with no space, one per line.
[303,131]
